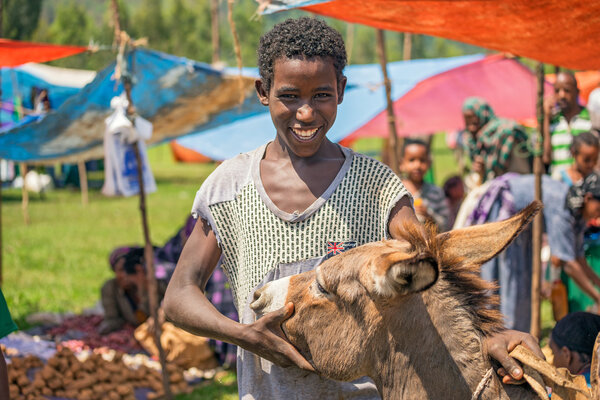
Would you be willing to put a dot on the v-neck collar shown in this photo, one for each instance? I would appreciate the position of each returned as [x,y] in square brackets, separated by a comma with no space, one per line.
[297,217]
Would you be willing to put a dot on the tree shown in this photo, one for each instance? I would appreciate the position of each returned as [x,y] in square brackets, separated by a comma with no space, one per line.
[20,18]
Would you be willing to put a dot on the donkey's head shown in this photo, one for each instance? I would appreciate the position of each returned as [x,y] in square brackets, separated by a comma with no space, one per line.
[343,307]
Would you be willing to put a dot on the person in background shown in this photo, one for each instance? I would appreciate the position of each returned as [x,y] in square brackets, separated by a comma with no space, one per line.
[454,190]
[429,201]
[564,118]
[496,145]
[584,149]
[125,297]
[7,326]
[572,342]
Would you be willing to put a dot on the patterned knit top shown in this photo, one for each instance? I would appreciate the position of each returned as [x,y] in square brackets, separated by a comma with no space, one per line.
[256,237]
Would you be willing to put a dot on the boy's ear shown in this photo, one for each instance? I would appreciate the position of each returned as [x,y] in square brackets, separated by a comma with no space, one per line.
[261,92]
[341,89]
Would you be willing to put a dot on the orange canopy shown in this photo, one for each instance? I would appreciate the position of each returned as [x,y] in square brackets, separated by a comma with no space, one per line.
[558,32]
[13,52]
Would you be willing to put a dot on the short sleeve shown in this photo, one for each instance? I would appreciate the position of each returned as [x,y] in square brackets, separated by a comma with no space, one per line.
[7,325]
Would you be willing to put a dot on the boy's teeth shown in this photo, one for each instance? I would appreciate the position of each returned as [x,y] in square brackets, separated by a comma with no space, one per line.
[305,133]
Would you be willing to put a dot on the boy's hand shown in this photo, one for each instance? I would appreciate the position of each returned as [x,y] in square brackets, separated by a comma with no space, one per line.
[500,344]
[266,339]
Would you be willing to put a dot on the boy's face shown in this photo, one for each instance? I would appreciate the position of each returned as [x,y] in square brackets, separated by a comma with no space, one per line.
[303,102]
[415,162]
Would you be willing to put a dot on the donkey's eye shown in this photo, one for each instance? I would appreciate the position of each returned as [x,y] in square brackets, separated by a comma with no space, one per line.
[321,288]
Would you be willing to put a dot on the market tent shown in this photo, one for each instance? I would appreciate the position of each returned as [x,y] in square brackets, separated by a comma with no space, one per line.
[552,31]
[14,52]
[176,94]
[363,100]
[18,82]
[434,104]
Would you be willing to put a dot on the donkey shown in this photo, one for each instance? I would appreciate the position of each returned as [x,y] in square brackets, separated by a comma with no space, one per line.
[411,314]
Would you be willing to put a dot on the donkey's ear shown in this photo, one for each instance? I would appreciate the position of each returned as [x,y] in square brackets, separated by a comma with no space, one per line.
[399,274]
[478,244]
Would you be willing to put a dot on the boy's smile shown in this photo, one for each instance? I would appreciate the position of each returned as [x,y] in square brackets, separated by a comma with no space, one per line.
[303,101]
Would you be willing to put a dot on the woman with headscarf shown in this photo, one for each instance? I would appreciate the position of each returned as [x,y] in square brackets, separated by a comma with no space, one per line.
[565,213]
[496,145]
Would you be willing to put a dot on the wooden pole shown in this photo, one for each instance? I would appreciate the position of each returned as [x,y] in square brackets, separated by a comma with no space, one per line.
[24,195]
[116,23]
[407,50]
[214,22]
[149,259]
[536,270]
[349,41]
[395,143]
[83,183]
[148,250]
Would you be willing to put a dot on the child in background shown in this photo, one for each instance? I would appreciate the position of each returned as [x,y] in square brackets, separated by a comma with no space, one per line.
[430,203]
[454,190]
[584,150]
[572,342]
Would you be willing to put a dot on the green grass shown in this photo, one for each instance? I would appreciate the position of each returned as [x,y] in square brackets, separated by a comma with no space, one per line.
[59,261]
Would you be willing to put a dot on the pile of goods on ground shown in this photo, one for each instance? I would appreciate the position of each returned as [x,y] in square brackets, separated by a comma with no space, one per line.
[93,378]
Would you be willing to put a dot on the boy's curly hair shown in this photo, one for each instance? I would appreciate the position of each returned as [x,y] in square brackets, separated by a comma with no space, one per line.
[304,37]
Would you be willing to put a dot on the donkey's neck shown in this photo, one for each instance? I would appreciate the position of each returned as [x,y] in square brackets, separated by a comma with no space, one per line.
[435,352]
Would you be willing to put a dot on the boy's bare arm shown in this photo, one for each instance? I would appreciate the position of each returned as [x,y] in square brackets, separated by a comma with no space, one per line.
[403,211]
[187,306]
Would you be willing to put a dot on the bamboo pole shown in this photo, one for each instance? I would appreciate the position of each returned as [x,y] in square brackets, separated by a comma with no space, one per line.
[83,183]
[536,269]
[407,49]
[148,250]
[24,195]
[214,22]
[395,143]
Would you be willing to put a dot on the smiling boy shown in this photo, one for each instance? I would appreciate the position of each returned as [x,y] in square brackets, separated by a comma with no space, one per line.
[281,210]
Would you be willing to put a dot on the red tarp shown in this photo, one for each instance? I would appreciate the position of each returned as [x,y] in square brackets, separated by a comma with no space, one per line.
[435,104]
[14,53]
[558,32]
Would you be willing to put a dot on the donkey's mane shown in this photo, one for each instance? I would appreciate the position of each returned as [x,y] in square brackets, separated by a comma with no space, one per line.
[461,278]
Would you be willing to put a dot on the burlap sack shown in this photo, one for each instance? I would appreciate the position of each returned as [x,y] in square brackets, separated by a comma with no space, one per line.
[181,347]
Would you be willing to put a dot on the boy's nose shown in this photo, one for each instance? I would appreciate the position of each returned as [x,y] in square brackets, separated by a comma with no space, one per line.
[305,113]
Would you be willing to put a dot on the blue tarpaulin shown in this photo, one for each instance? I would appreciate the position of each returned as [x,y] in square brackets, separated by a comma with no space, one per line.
[176,94]
[363,100]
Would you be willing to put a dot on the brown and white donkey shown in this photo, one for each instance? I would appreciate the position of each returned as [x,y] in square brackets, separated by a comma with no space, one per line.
[410,314]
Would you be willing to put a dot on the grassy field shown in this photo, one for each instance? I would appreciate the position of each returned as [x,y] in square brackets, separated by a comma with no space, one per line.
[59,261]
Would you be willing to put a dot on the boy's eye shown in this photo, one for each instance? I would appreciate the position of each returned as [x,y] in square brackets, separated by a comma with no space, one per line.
[322,95]
[287,96]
